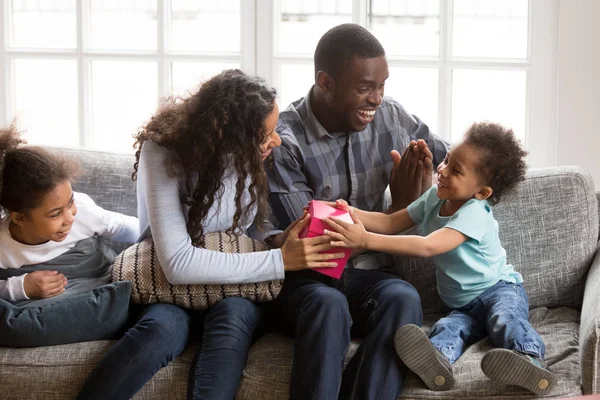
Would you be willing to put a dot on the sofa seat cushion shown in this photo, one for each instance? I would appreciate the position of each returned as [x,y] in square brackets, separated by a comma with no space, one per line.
[267,372]
[59,372]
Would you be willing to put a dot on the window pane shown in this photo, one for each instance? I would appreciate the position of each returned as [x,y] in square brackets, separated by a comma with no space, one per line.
[497,96]
[206,25]
[303,23]
[124,96]
[295,80]
[406,27]
[417,90]
[490,28]
[44,24]
[123,24]
[47,109]
[187,76]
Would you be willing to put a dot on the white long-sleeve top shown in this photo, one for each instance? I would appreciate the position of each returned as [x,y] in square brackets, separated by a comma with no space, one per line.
[162,215]
[90,220]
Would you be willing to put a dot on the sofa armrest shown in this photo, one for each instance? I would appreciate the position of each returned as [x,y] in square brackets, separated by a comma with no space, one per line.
[589,330]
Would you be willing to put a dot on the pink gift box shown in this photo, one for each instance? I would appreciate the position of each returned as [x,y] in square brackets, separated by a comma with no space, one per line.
[318,210]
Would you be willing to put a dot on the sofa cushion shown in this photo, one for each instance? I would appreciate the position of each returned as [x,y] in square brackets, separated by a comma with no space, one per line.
[267,373]
[106,178]
[60,372]
[549,229]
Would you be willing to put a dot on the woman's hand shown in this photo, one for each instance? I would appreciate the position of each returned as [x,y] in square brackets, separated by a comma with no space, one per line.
[44,284]
[354,236]
[306,253]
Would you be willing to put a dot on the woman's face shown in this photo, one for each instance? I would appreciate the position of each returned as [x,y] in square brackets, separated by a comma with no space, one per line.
[271,138]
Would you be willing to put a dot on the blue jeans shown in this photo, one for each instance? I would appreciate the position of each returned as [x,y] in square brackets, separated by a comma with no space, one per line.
[321,311]
[228,330]
[501,312]
[160,335]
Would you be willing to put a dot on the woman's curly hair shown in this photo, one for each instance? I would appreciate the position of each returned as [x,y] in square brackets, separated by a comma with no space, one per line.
[218,128]
[502,159]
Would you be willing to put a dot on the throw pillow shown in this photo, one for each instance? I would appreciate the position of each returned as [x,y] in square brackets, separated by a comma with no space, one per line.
[139,264]
[94,315]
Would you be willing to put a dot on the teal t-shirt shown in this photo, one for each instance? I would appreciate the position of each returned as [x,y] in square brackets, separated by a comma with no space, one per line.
[477,264]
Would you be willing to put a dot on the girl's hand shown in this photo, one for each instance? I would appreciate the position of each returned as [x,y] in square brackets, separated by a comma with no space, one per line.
[44,284]
[306,253]
[353,236]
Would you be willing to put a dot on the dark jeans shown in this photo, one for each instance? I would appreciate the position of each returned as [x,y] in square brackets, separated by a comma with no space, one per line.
[161,333]
[158,336]
[500,313]
[321,311]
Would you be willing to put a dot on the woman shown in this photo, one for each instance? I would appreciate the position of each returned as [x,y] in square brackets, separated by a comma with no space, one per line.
[199,170]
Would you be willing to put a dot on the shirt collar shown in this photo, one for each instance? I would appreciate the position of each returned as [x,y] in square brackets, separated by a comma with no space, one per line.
[314,129]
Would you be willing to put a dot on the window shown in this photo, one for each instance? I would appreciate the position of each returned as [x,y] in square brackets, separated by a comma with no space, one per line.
[91,72]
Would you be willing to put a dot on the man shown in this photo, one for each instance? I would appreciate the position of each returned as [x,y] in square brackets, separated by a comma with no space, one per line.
[336,144]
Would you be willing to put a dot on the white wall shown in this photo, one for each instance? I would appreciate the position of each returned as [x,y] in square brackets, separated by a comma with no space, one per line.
[578,133]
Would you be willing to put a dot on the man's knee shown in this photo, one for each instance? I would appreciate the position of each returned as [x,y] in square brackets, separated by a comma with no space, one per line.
[326,304]
[401,300]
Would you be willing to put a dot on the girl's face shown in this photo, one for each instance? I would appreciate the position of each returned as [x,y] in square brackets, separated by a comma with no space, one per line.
[51,220]
[271,138]
[458,177]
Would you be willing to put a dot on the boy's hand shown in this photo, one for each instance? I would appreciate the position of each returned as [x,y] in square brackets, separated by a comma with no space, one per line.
[44,284]
[347,235]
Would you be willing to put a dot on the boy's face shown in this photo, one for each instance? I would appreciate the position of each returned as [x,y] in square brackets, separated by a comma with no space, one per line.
[458,177]
[358,92]
[51,220]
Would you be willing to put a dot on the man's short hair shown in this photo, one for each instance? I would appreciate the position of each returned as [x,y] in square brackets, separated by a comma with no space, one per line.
[339,45]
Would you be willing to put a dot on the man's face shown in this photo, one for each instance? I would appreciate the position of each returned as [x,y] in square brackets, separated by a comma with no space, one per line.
[358,92]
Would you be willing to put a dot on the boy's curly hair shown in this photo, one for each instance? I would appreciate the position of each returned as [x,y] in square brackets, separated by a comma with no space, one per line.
[502,159]
[218,127]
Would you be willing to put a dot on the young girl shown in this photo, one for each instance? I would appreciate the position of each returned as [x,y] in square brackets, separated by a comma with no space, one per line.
[40,223]
[473,277]
[45,219]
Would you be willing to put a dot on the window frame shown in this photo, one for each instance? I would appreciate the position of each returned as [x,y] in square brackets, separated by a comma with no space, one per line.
[84,55]
[540,67]
[257,56]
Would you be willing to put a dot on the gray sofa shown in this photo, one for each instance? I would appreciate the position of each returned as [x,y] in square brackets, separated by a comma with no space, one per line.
[549,229]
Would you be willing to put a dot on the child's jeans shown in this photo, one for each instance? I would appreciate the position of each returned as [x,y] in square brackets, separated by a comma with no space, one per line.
[500,313]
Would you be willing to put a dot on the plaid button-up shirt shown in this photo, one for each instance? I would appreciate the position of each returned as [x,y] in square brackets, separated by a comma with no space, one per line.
[312,163]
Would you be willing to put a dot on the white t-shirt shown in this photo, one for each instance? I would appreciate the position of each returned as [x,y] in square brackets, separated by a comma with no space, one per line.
[90,220]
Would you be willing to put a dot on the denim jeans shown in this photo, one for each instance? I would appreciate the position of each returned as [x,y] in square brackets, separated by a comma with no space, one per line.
[500,312]
[322,313]
[228,330]
[160,335]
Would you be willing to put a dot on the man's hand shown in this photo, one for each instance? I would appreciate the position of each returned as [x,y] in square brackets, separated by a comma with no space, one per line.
[44,284]
[411,175]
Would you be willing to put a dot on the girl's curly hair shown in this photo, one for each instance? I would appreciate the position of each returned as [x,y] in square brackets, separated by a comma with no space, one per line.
[217,128]
[28,173]
[501,161]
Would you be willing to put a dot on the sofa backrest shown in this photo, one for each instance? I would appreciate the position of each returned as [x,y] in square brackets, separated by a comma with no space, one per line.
[549,228]
[106,178]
